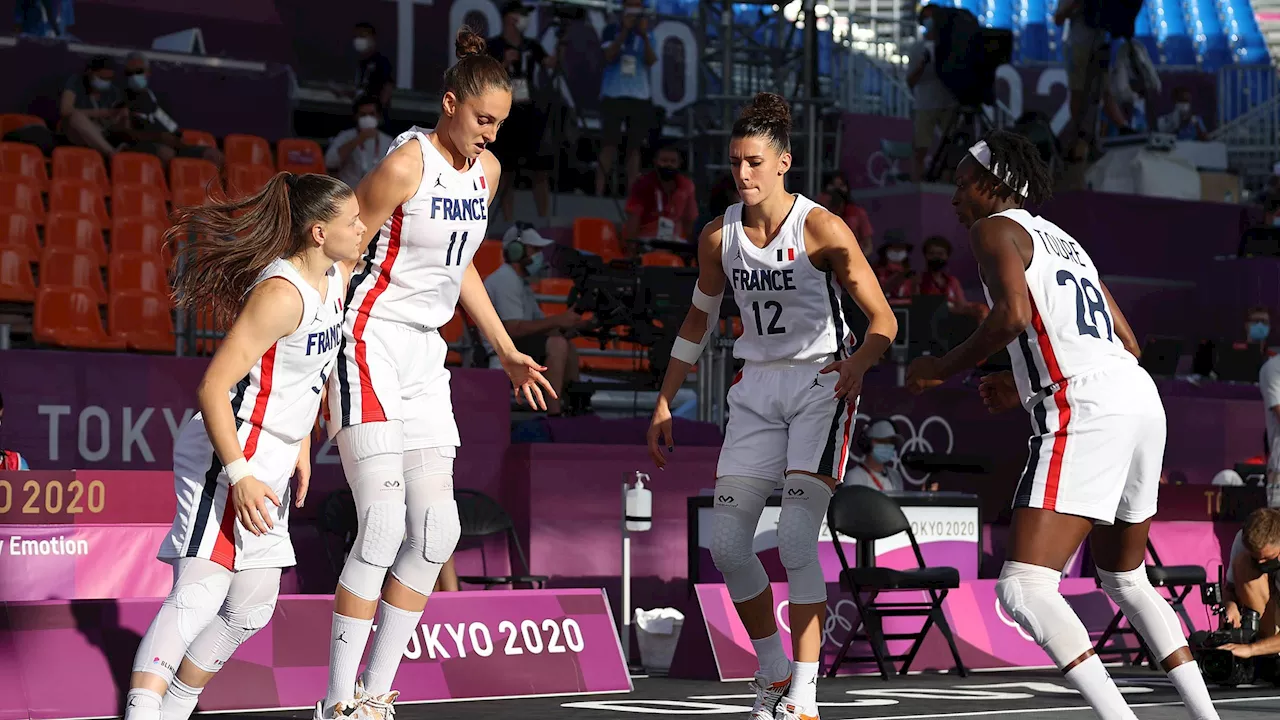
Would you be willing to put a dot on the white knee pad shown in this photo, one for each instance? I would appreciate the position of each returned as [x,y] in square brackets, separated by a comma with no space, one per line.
[217,644]
[804,508]
[1147,611]
[739,502]
[197,604]
[1029,593]
[427,550]
[200,587]
[374,465]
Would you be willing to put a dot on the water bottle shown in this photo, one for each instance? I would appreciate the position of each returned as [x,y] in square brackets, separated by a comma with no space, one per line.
[639,505]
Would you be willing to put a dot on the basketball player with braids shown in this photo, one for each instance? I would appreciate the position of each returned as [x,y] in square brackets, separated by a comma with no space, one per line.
[271,266]
[1098,425]
[790,263]
[389,406]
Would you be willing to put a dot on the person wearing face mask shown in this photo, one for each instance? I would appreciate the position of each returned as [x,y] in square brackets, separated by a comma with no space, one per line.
[835,197]
[662,204]
[893,266]
[90,107]
[353,152]
[878,469]
[1253,578]
[543,338]
[10,459]
[151,129]
[374,74]
[1182,123]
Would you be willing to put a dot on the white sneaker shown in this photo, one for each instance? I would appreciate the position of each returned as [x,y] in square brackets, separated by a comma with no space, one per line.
[374,707]
[767,697]
[788,710]
[341,710]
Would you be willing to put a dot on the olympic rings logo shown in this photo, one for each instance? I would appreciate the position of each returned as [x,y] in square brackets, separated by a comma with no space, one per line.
[1005,619]
[880,168]
[835,628]
[933,435]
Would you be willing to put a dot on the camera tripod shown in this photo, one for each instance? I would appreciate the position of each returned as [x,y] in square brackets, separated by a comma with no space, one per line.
[957,135]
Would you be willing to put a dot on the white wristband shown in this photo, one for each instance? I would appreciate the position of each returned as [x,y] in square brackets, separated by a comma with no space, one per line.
[237,470]
[709,304]
[687,351]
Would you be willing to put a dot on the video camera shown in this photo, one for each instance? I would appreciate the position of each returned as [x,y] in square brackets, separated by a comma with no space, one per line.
[1220,666]
[967,54]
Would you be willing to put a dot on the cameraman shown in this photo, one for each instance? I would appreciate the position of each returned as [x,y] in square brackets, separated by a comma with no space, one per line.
[1251,580]
[935,105]
[542,338]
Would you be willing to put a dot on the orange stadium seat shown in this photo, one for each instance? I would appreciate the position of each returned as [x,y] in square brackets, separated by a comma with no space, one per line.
[144,321]
[199,137]
[77,163]
[68,317]
[18,230]
[189,196]
[20,194]
[140,235]
[661,258]
[488,257]
[26,160]
[245,179]
[247,149]
[597,235]
[299,155]
[75,231]
[559,287]
[131,168]
[136,200]
[136,271]
[192,172]
[15,121]
[72,268]
[79,196]
[17,285]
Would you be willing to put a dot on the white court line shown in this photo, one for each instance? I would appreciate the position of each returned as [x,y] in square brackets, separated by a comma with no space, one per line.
[1085,708]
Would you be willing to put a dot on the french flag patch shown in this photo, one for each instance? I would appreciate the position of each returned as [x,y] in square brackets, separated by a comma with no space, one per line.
[479,184]
[791,254]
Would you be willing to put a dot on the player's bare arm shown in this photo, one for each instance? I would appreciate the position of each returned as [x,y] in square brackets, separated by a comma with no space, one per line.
[1003,263]
[385,188]
[836,249]
[1121,326]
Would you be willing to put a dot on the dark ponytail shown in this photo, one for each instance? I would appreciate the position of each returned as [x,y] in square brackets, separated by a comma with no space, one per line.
[768,116]
[224,246]
[476,70]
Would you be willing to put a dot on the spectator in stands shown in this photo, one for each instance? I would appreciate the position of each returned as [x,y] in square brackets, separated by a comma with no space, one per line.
[1088,52]
[43,18]
[935,105]
[662,204]
[1182,123]
[374,74]
[893,266]
[1269,384]
[520,141]
[152,129]
[855,216]
[91,108]
[624,92]
[545,339]
[879,469]
[353,152]
[10,459]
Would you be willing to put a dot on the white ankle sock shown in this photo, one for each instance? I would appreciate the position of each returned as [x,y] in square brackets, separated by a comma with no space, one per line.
[395,628]
[142,704]
[180,701]
[774,665]
[804,686]
[1195,696]
[1094,683]
[346,647]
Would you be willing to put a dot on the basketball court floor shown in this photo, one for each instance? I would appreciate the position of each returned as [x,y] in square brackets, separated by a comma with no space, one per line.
[1011,694]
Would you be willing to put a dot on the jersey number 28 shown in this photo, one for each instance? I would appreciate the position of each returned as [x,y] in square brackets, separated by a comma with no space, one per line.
[1090,303]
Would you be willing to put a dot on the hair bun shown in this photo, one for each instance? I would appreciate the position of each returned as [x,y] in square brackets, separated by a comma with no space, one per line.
[468,43]
[770,109]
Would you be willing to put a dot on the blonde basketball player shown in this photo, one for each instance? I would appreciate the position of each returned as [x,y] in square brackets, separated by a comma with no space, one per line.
[389,404]
[271,263]
[1098,423]
[789,263]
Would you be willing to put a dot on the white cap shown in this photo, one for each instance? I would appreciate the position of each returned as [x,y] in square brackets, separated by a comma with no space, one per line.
[1229,478]
[524,234]
[883,430]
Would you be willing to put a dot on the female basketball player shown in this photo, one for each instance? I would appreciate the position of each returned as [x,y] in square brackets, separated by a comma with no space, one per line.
[1098,423]
[789,262]
[389,401]
[268,263]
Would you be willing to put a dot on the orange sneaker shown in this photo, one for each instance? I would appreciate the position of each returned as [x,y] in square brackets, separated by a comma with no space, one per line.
[790,711]
[767,697]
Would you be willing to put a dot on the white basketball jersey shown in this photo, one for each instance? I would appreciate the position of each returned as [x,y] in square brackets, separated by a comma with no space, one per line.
[790,309]
[412,271]
[1071,331]
[281,393]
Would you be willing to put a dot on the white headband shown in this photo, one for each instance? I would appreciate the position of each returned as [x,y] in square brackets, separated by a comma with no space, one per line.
[982,154]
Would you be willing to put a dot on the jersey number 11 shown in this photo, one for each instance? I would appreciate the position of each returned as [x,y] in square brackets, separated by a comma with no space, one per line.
[450,258]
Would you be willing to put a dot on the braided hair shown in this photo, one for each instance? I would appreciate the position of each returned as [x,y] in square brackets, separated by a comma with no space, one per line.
[1022,164]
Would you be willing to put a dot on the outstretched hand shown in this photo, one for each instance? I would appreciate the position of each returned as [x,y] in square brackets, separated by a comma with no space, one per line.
[527,381]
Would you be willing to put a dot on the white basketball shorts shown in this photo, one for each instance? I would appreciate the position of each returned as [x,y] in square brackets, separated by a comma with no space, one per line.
[392,371]
[784,416]
[205,525]
[1097,448]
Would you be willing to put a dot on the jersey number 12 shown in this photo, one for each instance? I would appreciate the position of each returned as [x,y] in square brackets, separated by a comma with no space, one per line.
[774,328]
[1090,303]
[451,258]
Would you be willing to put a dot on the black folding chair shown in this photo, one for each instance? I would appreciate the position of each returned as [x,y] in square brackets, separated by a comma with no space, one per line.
[338,518]
[1177,581]
[481,516]
[868,515]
